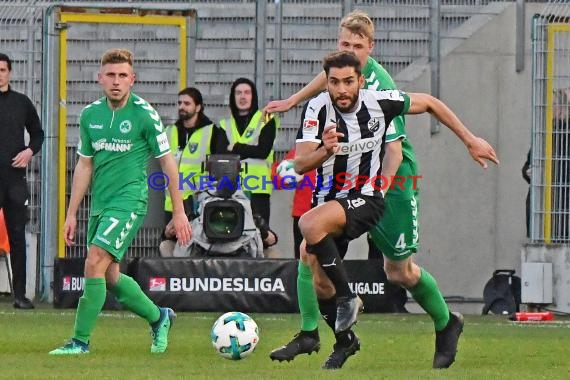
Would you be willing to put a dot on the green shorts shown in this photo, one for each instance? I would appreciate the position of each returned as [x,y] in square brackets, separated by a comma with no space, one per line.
[397,233]
[114,231]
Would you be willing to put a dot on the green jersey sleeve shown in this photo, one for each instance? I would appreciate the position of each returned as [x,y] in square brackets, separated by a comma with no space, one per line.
[377,78]
[84,146]
[154,132]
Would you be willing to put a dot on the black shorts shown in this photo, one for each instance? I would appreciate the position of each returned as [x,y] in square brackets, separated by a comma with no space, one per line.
[362,213]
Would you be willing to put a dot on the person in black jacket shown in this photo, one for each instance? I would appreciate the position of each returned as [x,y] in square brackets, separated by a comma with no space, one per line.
[17,113]
[251,135]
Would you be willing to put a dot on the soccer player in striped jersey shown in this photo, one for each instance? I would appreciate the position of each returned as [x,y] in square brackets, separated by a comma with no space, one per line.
[343,135]
[397,232]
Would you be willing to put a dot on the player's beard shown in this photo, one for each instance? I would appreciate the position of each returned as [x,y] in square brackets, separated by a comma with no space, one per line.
[183,115]
[350,107]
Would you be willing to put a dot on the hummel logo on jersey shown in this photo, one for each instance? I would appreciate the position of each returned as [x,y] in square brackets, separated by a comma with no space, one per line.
[333,264]
[371,82]
[355,203]
[121,239]
[96,126]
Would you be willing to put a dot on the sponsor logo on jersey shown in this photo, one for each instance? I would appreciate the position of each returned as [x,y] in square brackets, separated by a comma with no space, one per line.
[157,284]
[125,126]
[102,144]
[374,124]
[360,146]
[95,126]
[162,141]
[309,124]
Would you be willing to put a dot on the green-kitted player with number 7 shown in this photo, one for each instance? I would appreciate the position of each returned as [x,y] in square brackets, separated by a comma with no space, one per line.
[118,133]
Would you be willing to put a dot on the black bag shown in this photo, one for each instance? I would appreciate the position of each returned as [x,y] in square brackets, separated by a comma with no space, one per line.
[502,293]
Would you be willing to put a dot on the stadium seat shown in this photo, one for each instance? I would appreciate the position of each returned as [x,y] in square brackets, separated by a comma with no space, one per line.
[5,248]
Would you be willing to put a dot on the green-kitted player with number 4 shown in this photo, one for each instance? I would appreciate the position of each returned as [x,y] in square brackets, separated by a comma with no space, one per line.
[118,133]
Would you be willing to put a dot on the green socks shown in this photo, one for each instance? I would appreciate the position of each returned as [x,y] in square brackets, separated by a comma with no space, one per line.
[130,295]
[90,305]
[427,295]
[307,298]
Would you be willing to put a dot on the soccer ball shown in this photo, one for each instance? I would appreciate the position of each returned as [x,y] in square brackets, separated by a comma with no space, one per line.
[286,170]
[235,335]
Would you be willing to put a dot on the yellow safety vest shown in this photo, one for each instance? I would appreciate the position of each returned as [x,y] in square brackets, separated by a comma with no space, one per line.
[192,159]
[256,175]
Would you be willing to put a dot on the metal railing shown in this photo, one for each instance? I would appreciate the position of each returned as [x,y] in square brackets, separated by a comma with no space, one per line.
[550,139]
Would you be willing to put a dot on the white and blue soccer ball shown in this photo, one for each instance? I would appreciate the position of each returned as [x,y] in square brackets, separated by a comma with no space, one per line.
[234,335]
[286,170]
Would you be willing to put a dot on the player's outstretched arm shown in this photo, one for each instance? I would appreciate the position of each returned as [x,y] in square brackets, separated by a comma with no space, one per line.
[315,86]
[478,148]
[179,218]
[81,180]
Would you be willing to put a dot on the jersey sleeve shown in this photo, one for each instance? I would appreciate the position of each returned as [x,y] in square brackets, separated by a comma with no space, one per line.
[393,103]
[312,121]
[396,130]
[380,79]
[154,132]
[84,146]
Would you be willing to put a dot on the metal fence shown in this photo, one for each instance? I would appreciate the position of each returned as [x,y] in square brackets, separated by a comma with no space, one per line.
[550,148]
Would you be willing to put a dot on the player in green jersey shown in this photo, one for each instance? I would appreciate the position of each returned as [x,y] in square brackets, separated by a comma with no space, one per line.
[397,232]
[118,134]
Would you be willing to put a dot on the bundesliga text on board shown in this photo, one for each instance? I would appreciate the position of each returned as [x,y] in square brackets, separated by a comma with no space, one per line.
[241,284]
[342,181]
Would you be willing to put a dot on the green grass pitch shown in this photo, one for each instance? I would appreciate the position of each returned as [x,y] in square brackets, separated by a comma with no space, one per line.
[393,347]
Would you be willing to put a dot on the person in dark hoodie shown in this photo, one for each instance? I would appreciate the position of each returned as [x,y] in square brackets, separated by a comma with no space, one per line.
[17,114]
[252,137]
[192,138]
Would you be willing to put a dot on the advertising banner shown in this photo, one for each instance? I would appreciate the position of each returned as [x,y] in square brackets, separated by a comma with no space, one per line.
[222,284]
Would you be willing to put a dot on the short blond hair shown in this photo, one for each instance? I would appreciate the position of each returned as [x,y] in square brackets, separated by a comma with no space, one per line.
[358,22]
[117,56]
